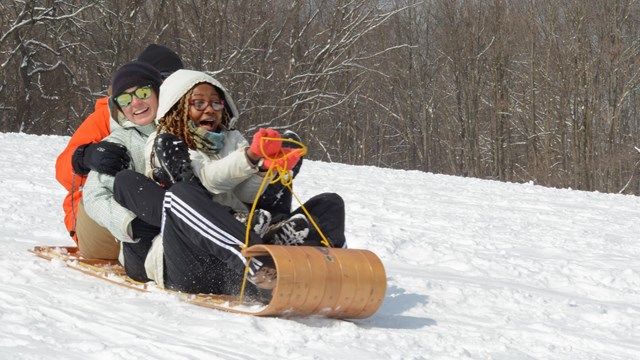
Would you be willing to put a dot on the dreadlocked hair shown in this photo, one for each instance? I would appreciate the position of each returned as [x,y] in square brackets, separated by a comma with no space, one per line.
[176,120]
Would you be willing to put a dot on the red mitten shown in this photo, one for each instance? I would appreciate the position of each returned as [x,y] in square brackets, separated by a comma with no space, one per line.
[264,148]
[286,159]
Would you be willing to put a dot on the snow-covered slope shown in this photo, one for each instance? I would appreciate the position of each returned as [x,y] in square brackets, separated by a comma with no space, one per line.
[476,270]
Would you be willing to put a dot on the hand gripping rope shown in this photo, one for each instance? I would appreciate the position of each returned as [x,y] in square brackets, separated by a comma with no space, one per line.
[278,170]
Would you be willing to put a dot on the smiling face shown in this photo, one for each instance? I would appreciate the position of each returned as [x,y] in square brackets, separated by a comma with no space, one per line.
[209,119]
[141,112]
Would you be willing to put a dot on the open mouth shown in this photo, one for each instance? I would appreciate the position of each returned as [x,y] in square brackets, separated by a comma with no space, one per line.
[209,125]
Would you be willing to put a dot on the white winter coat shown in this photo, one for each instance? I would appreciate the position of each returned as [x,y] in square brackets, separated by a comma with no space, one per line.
[229,175]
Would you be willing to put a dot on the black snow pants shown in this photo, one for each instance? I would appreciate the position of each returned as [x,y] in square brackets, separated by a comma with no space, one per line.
[202,240]
[327,210]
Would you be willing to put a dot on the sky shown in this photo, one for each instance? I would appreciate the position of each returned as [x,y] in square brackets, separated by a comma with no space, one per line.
[476,269]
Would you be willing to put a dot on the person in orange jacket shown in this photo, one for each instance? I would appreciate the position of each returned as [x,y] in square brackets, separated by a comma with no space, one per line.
[86,151]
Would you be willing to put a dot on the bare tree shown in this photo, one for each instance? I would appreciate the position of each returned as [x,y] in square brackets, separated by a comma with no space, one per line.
[33,42]
[534,90]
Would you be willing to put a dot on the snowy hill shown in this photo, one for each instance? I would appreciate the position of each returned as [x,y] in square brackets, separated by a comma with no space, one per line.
[476,270]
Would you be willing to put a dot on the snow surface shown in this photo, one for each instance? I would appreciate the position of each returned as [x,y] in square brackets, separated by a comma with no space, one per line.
[476,269]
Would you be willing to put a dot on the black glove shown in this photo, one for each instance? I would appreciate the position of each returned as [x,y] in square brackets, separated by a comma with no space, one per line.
[288,134]
[104,157]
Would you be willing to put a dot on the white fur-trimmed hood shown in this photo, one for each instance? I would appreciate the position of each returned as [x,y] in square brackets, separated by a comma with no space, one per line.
[180,82]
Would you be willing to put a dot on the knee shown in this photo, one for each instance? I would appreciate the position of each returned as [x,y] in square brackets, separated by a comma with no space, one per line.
[127,175]
[332,200]
[184,189]
[179,189]
[125,179]
[129,179]
[335,199]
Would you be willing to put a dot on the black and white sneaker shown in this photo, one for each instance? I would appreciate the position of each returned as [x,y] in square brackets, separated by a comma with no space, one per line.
[261,222]
[173,156]
[264,278]
[291,232]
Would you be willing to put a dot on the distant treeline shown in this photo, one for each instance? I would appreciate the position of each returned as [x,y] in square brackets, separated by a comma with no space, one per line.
[532,90]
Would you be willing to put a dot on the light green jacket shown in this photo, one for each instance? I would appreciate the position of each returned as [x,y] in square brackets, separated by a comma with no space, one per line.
[98,190]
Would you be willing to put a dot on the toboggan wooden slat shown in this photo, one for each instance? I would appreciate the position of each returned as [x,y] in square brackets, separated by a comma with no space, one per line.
[335,283]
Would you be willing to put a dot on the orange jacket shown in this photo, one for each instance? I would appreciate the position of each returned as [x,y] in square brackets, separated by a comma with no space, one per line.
[92,130]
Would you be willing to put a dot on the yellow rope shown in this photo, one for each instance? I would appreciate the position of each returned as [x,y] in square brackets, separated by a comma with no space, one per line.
[279,164]
[284,175]
[324,241]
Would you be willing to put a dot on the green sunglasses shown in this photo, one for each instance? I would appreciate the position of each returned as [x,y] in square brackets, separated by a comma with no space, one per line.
[125,99]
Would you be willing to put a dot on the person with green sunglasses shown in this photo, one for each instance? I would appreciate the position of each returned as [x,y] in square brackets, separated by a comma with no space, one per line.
[135,88]
[86,151]
[137,101]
